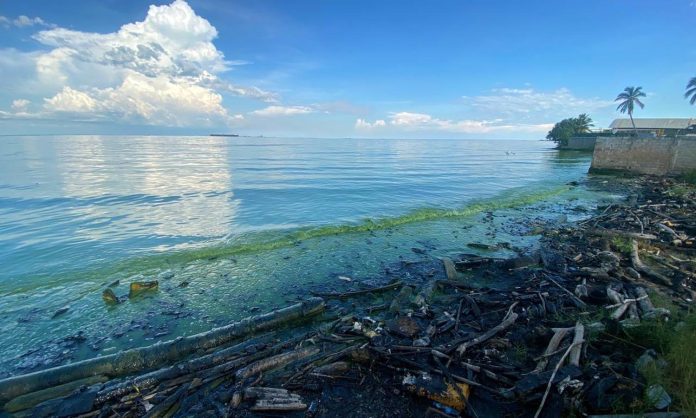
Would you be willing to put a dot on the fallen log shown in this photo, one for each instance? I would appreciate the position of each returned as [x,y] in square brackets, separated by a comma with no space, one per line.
[275,362]
[32,399]
[139,359]
[344,295]
[154,378]
[638,265]
[278,405]
[162,408]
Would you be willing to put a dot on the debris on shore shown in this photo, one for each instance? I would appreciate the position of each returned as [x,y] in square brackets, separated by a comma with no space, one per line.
[540,334]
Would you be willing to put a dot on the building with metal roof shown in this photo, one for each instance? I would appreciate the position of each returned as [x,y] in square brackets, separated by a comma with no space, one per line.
[657,126]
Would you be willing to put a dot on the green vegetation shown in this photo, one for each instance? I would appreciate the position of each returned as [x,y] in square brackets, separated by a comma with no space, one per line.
[567,128]
[621,244]
[691,91]
[689,177]
[628,99]
[674,341]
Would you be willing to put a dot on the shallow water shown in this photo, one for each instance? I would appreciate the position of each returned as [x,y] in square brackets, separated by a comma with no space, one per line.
[244,222]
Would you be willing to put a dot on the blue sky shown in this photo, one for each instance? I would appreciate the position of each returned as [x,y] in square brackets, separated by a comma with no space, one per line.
[469,69]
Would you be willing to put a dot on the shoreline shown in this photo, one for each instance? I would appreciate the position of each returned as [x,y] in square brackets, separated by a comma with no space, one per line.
[443,311]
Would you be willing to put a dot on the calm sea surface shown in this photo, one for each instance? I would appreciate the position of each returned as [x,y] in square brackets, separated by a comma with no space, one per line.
[243,221]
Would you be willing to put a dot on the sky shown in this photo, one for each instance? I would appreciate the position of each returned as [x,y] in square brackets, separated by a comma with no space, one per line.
[338,68]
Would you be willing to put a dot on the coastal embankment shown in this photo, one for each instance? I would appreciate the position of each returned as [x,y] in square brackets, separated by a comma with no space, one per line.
[657,156]
[595,320]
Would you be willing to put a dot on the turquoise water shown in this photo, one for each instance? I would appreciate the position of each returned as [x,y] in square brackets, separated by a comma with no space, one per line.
[241,222]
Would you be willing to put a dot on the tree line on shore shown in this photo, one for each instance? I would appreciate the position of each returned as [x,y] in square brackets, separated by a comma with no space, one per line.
[628,100]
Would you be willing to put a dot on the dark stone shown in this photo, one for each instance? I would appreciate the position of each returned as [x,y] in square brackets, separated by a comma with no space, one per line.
[534,381]
[598,397]
[404,326]
[553,260]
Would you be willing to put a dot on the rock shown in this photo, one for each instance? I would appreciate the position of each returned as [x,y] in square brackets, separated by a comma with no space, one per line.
[422,342]
[534,381]
[183,284]
[553,260]
[609,257]
[404,326]
[165,275]
[480,246]
[658,396]
[136,288]
[60,311]
[110,297]
[114,283]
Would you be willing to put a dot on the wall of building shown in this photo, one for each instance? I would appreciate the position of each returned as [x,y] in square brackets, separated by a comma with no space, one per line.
[660,156]
[584,143]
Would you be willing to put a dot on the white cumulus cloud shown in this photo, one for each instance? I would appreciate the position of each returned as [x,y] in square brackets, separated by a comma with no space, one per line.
[20,105]
[164,70]
[363,124]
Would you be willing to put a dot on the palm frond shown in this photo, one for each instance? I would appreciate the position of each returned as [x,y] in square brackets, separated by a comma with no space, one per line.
[692,83]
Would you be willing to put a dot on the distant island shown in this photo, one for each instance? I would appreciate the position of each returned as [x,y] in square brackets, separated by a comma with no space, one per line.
[235,135]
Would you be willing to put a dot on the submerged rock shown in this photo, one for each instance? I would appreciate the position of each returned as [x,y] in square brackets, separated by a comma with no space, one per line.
[60,311]
[137,288]
[110,297]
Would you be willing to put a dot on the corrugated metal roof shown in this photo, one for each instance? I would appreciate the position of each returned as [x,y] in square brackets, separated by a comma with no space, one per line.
[654,123]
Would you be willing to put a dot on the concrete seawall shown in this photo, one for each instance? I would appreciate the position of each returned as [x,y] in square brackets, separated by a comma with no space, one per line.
[580,143]
[659,156]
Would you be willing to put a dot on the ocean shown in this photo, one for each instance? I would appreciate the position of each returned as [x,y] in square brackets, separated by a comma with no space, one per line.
[231,226]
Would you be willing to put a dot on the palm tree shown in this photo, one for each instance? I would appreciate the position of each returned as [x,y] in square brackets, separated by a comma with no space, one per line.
[691,91]
[583,123]
[629,97]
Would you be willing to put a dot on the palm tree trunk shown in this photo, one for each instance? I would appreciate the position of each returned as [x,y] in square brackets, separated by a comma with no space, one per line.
[635,131]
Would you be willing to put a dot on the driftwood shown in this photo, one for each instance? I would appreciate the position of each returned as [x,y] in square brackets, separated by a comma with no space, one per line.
[553,375]
[558,335]
[138,359]
[274,399]
[508,320]
[154,378]
[576,300]
[31,399]
[638,265]
[353,293]
[162,408]
[611,233]
[577,344]
[275,362]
